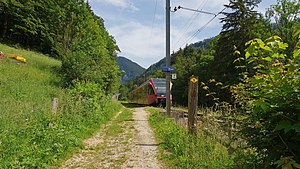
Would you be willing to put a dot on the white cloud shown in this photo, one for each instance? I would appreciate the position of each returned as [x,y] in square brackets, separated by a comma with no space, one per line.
[125,4]
[143,41]
[140,42]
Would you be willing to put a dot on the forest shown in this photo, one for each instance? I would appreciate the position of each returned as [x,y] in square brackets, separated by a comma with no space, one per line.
[67,30]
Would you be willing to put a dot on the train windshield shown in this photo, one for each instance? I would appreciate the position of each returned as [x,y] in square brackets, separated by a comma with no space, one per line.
[160,85]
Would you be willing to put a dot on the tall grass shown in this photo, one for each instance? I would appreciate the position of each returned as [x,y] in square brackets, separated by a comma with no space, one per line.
[181,150]
[31,135]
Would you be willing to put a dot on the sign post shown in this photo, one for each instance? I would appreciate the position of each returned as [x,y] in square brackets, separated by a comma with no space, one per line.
[192,105]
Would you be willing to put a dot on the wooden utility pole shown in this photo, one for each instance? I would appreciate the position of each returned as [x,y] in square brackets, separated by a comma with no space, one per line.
[193,105]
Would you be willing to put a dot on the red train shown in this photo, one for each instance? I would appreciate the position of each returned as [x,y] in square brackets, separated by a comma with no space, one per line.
[152,92]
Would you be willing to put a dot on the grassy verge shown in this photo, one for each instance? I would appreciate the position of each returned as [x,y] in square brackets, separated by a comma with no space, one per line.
[31,136]
[181,150]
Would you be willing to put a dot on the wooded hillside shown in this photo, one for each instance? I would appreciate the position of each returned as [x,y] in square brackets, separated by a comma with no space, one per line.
[69,31]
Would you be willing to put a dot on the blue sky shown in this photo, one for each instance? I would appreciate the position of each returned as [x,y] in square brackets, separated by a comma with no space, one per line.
[139,25]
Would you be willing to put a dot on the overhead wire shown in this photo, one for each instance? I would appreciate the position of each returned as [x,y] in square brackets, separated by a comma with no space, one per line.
[201,29]
[153,20]
[189,21]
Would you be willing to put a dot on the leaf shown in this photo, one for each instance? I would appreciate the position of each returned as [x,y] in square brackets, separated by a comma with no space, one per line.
[297,127]
[269,59]
[273,40]
[249,42]
[287,166]
[284,125]
[297,34]
[247,55]
[296,54]
[275,55]
[237,52]
[295,164]
[282,45]
[267,48]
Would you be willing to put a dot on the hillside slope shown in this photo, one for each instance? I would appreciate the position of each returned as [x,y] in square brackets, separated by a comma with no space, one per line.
[131,68]
[32,135]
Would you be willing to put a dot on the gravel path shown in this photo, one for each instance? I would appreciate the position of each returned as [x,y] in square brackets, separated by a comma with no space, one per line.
[144,152]
[134,147]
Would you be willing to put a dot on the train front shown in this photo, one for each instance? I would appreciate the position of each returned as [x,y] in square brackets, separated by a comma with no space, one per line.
[160,91]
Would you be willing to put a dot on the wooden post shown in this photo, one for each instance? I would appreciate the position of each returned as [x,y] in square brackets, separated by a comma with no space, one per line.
[55,105]
[193,105]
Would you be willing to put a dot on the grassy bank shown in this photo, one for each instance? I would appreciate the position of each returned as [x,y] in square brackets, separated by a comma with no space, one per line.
[181,150]
[31,135]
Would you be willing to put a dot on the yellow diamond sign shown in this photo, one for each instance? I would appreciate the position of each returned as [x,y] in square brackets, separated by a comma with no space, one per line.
[194,80]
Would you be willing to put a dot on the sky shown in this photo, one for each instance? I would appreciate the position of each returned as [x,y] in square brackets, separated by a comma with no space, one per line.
[138,26]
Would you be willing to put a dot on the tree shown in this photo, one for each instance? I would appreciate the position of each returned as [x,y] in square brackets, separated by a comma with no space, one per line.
[287,21]
[192,61]
[92,50]
[240,26]
[68,29]
[186,61]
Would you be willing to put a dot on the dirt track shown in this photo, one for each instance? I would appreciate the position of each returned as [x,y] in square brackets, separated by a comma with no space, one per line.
[134,147]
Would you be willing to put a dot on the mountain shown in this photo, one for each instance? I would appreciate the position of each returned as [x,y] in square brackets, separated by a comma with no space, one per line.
[198,45]
[202,44]
[132,69]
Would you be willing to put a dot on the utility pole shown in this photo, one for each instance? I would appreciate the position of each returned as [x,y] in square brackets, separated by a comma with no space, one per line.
[168,60]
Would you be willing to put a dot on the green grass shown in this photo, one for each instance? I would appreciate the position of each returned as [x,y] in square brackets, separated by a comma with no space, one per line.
[181,150]
[116,127]
[31,136]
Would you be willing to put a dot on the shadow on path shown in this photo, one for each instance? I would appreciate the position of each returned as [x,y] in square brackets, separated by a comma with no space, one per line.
[132,105]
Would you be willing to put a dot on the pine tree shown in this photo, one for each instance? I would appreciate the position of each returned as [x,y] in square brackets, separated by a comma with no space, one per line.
[240,25]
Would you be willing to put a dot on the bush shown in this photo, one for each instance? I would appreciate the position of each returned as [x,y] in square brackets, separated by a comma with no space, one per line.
[270,101]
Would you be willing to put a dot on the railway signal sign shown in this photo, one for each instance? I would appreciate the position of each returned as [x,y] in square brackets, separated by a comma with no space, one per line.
[168,69]
[174,76]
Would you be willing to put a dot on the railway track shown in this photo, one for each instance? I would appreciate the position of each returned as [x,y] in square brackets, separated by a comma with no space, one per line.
[182,113]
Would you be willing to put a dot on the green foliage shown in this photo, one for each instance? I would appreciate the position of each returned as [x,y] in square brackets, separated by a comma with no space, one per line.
[191,61]
[240,25]
[89,58]
[186,151]
[270,100]
[31,135]
[70,30]
[286,16]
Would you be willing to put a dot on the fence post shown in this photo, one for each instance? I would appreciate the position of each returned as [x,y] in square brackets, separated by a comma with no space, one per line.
[193,105]
[55,105]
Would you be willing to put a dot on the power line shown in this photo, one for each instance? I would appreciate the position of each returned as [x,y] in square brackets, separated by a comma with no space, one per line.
[201,29]
[155,9]
[153,20]
[204,4]
[195,10]
[186,28]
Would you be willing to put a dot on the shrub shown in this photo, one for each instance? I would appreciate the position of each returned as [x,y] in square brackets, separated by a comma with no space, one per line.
[270,101]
